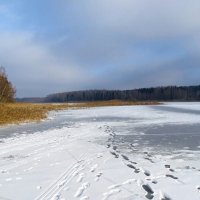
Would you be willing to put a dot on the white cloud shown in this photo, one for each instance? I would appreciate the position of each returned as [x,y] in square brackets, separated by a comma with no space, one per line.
[32,65]
[139,18]
[132,41]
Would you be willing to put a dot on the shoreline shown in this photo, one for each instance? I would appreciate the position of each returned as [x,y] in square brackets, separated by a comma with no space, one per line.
[17,113]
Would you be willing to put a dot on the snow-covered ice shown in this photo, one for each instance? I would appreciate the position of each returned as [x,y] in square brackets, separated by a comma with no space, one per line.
[108,153]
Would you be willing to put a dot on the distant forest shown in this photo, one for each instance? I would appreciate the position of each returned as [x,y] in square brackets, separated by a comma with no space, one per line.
[169,93]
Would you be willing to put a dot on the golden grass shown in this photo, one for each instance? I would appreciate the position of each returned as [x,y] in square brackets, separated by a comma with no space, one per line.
[14,113]
[118,103]
[11,113]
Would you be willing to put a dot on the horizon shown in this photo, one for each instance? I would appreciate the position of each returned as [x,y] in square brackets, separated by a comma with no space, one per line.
[73,91]
[49,46]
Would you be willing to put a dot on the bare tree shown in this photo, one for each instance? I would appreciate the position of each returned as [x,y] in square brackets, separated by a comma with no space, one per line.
[7,91]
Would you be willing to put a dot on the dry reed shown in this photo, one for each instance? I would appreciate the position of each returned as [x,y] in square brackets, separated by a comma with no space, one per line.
[14,113]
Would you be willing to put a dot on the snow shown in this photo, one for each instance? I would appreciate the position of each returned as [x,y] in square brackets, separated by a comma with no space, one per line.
[188,105]
[92,159]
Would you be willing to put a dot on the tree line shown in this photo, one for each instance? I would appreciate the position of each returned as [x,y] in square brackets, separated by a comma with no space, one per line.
[169,93]
[7,91]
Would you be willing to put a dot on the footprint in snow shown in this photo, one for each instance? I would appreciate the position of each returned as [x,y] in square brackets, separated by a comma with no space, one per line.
[108,145]
[124,157]
[149,196]
[93,168]
[167,166]
[133,162]
[149,191]
[56,197]
[149,159]
[171,170]
[147,188]
[80,178]
[171,176]
[61,184]
[98,176]
[164,196]
[146,172]
[114,154]
[114,148]
[136,170]
[131,166]
[81,190]
[75,174]
[154,182]
[198,188]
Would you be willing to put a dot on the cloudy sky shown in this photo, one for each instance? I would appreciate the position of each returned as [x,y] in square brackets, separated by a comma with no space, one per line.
[52,46]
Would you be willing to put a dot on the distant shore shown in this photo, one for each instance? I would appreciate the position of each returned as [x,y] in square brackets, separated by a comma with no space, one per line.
[15,113]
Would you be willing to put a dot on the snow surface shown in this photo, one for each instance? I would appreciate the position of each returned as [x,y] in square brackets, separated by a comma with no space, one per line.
[105,154]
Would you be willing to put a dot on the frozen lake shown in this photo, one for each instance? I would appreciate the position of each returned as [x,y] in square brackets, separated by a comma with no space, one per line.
[130,152]
[172,126]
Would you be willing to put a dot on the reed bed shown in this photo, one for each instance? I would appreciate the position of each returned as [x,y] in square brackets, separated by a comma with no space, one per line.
[15,113]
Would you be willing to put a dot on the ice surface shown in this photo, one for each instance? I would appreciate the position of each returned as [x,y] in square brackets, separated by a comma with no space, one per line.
[114,153]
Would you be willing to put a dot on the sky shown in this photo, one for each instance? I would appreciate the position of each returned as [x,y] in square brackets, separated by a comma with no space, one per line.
[49,46]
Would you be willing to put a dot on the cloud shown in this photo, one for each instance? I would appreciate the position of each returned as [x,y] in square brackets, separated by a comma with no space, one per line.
[138,18]
[117,31]
[99,44]
[32,65]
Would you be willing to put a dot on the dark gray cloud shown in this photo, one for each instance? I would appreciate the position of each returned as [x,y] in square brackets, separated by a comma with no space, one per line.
[51,46]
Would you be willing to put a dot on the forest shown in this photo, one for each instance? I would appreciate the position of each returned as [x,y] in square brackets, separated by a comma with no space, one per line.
[168,93]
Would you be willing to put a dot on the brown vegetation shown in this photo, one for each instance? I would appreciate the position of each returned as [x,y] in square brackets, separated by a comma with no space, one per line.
[117,103]
[13,113]
[22,112]
[7,91]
